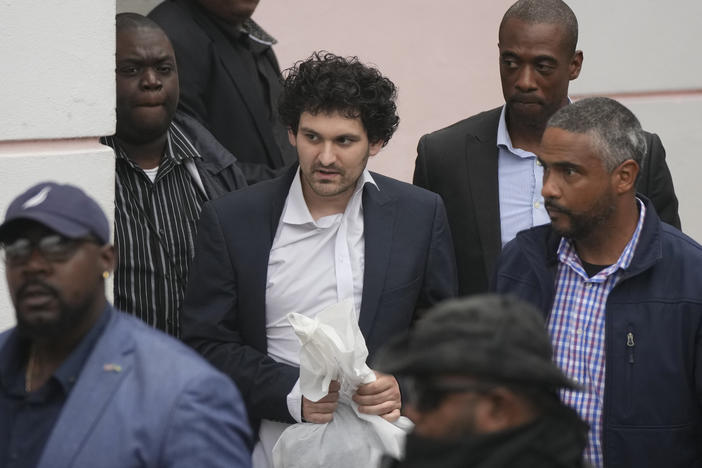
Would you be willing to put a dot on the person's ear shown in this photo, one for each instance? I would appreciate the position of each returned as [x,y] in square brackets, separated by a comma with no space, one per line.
[292,138]
[374,148]
[107,258]
[625,176]
[576,63]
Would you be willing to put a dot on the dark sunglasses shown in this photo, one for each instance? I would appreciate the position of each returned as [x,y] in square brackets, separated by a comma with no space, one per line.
[54,248]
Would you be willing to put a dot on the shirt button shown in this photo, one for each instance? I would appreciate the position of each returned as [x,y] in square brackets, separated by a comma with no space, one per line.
[162,232]
[538,163]
[537,204]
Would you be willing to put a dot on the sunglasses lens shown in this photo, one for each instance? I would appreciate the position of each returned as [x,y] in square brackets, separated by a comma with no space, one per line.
[18,251]
[54,248]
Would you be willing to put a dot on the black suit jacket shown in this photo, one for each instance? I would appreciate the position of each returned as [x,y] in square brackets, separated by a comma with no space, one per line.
[216,88]
[409,265]
[459,163]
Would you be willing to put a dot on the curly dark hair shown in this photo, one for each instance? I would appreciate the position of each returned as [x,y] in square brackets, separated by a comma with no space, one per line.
[328,83]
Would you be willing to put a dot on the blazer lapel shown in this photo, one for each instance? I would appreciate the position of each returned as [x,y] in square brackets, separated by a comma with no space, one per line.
[481,165]
[109,363]
[378,219]
[261,235]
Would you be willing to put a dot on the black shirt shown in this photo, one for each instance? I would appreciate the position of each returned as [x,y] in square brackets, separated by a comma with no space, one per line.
[27,419]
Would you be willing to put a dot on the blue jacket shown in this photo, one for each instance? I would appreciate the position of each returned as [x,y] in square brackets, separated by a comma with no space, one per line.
[145,400]
[652,414]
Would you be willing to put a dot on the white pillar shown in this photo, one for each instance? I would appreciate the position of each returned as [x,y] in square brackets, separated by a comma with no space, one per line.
[57,99]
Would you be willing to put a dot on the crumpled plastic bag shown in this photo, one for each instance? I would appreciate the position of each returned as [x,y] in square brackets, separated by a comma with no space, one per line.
[333,348]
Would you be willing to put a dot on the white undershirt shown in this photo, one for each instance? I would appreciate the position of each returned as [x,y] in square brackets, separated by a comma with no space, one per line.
[192,170]
[151,173]
[312,265]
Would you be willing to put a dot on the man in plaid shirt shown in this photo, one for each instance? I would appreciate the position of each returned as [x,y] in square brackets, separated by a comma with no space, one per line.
[620,291]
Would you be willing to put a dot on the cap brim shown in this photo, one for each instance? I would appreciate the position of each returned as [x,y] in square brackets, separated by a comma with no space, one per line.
[61,225]
[400,358]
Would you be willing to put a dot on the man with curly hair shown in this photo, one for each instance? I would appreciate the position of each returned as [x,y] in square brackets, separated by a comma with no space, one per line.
[327,231]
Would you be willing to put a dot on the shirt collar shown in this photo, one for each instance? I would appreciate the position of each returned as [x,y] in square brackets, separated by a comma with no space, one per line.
[505,141]
[296,210]
[568,255]
[248,29]
[178,147]
[14,354]
[503,138]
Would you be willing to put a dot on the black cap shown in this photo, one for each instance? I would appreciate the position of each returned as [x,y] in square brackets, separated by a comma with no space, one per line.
[500,338]
[65,209]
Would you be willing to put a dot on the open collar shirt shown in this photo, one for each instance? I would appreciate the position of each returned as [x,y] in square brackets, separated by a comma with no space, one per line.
[577,328]
[312,265]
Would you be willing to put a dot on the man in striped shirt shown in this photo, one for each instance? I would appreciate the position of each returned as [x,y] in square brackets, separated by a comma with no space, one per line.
[620,290]
[167,166]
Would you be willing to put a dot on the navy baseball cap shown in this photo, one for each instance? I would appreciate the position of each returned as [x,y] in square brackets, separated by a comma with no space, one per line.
[65,209]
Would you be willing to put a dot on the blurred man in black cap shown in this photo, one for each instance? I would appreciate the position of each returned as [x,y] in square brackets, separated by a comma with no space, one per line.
[482,390]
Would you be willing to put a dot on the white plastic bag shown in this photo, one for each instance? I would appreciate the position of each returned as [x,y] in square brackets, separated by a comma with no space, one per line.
[333,348]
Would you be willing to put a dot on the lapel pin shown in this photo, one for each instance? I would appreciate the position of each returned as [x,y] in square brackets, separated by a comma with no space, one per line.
[112,368]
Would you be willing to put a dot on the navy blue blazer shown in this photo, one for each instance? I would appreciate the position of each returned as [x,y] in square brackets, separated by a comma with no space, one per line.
[409,265]
[144,399]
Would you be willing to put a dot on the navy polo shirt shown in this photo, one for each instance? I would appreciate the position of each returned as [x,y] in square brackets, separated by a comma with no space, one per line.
[26,419]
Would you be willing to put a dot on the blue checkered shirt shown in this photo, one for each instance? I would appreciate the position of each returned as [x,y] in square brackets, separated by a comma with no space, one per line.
[577,328]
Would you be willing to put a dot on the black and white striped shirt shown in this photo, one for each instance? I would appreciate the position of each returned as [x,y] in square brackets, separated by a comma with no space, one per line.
[155,228]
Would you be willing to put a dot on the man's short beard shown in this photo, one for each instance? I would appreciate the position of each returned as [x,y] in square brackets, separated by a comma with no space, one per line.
[582,225]
[70,317]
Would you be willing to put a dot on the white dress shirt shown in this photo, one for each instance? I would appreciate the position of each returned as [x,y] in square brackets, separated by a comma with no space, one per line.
[312,265]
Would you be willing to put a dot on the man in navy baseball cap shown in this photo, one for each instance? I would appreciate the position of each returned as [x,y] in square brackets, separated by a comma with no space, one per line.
[76,373]
[63,208]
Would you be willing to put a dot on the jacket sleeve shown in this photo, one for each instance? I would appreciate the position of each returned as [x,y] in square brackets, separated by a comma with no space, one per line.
[212,325]
[656,183]
[208,427]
